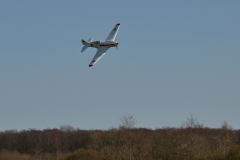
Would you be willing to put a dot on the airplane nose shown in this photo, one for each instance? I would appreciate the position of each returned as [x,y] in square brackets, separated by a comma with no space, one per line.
[117,43]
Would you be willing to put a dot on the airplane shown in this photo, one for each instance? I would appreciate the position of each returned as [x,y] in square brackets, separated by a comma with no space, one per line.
[102,46]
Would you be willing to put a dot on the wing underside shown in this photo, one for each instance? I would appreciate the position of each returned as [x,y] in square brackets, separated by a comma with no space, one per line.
[100,52]
[113,33]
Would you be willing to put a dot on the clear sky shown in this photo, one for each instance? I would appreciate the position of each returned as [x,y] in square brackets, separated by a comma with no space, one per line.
[175,58]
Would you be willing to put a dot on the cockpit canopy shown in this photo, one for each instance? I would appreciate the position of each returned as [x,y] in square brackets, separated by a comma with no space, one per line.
[97,42]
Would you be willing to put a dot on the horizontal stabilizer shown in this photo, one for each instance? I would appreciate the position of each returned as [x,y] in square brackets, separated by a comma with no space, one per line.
[84,48]
[90,40]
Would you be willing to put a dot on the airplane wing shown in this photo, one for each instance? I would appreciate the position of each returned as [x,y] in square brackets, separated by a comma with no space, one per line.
[100,52]
[112,35]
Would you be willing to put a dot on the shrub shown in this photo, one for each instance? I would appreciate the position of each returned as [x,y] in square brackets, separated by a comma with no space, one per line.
[8,155]
[234,154]
[84,155]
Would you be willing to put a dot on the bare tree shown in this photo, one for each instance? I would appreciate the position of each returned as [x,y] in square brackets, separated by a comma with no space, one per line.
[67,128]
[127,122]
[191,123]
[227,137]
[190,136]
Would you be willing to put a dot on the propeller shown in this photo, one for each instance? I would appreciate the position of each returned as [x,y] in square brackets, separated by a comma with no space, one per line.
[117,44]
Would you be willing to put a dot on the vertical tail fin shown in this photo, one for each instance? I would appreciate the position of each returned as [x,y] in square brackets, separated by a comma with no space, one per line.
[90,40]
[86,44]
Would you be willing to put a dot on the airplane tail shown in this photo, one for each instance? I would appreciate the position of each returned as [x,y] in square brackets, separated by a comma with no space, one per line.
[86,44]
[84,48]
[90,40]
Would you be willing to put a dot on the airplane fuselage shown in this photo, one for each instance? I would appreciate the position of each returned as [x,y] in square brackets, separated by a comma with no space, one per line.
[97,44]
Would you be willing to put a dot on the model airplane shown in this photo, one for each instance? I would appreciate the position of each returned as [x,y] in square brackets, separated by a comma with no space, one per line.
[102,46]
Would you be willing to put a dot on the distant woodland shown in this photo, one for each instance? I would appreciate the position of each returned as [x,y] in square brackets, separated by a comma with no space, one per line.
[191,141]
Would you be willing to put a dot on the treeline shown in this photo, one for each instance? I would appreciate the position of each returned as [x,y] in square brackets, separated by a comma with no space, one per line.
[189,142]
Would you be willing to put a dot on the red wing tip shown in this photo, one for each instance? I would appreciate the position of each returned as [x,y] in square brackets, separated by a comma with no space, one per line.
[90,65]
[118,24]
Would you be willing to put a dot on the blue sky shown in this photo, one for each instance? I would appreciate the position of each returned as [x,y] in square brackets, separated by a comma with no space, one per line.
[175,58]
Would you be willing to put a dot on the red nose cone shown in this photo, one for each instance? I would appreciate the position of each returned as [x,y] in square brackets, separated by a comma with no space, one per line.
[117,42]
[90,65]
[118,24]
